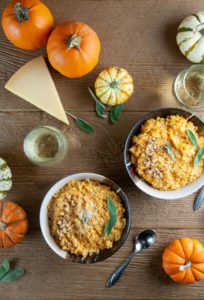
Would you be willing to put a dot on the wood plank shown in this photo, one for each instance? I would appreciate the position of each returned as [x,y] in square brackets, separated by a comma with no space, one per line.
[50,277]
[137,35]
[144,44]
[103,155]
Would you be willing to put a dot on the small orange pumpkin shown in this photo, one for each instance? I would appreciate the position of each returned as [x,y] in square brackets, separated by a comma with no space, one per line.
[13,224]
[27,23]
[183,260]
[73,49]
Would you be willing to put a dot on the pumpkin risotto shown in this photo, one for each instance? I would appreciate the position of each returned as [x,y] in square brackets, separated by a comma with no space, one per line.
[164,168]
[78,215]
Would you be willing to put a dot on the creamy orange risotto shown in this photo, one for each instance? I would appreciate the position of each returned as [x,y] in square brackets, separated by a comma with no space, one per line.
[163,154]
[78,215]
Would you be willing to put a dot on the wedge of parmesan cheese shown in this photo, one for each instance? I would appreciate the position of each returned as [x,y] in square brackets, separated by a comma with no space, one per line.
[33,83]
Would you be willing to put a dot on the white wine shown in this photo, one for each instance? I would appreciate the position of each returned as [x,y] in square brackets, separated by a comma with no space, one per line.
[194,83]
[189,86]
[45,146]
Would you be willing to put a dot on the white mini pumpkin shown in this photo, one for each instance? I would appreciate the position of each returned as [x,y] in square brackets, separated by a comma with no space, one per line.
[190,37]
[5,179]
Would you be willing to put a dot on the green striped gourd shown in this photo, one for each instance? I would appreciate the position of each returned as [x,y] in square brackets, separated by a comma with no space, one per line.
[190,37]
[5,179]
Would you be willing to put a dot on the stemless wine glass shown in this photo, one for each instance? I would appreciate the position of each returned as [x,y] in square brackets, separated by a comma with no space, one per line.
[45,145]
[189,86]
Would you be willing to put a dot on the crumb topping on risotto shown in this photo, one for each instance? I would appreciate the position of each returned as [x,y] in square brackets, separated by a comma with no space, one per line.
[78,215]
[152,161]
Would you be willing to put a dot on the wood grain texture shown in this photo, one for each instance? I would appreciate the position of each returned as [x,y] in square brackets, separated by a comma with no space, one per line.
[50,277]
[131,37]
[101,152]
[137,35]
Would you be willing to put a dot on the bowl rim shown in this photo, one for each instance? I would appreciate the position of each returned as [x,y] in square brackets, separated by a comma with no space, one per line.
[43,216]
[144,186]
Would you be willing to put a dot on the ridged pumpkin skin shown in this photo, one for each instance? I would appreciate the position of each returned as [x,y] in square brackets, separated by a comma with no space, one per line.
[73,49]
[5,179]
[27,23]
[190,37]
[13,224]
[114,86]
[183,260]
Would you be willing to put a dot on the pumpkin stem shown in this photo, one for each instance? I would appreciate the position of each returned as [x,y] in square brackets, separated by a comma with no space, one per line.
[20,12]
[186,266]
[2,226]
[74,41]
[114,84]
[200,28]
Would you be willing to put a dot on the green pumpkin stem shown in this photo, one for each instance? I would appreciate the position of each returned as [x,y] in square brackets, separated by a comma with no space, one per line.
[2,226]
[20,12]
[74,41]
[114,84]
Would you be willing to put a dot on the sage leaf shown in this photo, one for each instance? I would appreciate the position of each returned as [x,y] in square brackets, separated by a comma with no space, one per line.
[113,216]
[199,156]
[100,111]
[115,113]
[4,268]
[192,137]
[95,98]
[199,200]
[13,275]
[100,107]
[169,150]
[83,125]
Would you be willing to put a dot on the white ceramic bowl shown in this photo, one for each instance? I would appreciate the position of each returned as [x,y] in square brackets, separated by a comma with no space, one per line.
[144,186]
[45,226]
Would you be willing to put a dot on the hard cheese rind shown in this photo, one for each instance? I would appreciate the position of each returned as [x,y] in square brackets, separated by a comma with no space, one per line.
[33,83]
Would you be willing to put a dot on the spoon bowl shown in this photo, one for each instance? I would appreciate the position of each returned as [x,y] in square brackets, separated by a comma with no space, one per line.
[142,241]
[145,239]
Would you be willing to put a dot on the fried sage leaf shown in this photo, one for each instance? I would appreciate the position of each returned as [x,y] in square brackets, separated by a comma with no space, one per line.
[115,113]
[199,156]
[192,137]
[113,216]
[169,150]
[199,200]
[100,107]
[13,275]
[4,268]
[83,125]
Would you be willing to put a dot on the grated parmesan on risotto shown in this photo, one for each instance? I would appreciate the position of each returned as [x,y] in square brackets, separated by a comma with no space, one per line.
[154,163]
[78,215]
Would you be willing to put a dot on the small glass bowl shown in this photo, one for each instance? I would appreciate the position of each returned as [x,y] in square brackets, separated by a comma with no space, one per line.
[30,145]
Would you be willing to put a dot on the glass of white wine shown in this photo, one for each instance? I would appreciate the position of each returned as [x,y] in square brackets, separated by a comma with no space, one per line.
[45,145]
[189,86]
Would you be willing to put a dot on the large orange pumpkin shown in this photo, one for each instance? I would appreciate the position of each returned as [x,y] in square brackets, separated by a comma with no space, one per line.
[13,223]
[27,23]
[183,260]
[73,49]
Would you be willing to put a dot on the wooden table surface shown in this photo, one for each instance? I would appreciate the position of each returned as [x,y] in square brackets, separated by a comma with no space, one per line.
[139,36]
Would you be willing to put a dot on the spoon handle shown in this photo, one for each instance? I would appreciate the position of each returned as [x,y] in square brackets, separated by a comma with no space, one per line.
[119,271]
[199,200]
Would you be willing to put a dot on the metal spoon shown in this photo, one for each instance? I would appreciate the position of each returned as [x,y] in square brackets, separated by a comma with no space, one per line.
[199,199]
[144,240]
